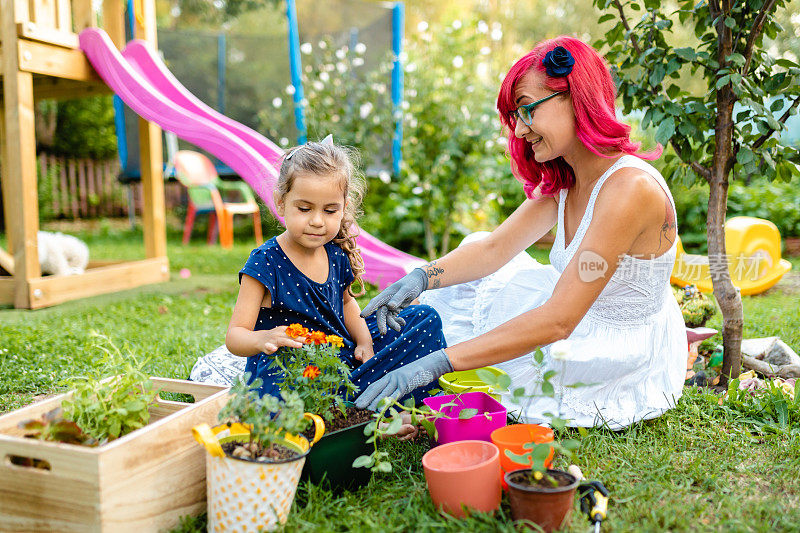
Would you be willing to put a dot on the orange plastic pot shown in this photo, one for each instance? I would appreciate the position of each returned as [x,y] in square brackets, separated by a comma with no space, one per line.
[513,437]
[463,475]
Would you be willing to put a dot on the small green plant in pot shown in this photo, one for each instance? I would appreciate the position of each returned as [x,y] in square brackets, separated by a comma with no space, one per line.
[696,307]
[540,494]
[255,458]
[267,420]
[322,380]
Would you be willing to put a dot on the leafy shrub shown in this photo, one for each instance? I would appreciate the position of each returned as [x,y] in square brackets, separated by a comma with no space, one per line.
[455,178]
[85,128]
[343,98]
[106,407]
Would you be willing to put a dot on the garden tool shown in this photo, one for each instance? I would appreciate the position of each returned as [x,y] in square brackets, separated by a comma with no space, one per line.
[594,501]
[593,498]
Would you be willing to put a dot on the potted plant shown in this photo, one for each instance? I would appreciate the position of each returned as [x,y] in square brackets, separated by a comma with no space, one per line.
[466,416]
[460,475]
[696,307]
[255,458]
[108,454]
[322,380]
[538,493]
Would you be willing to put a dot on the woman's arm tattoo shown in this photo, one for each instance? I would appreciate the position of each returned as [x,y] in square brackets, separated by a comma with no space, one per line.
[669,224]
[433,272]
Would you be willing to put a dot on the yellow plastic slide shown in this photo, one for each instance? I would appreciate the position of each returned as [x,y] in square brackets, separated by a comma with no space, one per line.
[753,250]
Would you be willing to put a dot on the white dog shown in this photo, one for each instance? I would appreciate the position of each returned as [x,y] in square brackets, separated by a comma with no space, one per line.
[62,255]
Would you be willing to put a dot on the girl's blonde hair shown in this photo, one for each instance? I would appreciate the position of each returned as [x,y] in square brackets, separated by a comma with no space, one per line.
[329,159]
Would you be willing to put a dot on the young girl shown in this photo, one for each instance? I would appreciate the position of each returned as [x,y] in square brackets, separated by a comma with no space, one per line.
[306,275]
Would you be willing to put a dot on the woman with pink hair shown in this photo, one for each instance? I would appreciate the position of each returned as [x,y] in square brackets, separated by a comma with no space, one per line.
[606,293]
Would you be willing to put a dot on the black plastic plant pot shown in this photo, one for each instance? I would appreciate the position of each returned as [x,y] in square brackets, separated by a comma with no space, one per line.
[330,460]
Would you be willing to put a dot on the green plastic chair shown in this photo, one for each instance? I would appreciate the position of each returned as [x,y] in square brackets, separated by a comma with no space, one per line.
[209,194]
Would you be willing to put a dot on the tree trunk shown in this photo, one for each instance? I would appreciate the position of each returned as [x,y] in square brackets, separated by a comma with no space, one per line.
[728,296]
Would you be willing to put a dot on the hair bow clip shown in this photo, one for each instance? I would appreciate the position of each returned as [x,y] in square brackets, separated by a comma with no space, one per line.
[327,141]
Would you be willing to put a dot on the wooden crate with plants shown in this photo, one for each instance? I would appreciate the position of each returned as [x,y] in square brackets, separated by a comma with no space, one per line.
[110,455]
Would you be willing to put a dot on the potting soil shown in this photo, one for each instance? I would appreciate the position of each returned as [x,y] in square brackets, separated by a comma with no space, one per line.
[525,478]
[276,452]
[353,417]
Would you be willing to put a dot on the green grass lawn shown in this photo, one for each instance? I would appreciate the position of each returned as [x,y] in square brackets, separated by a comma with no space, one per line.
[695,468]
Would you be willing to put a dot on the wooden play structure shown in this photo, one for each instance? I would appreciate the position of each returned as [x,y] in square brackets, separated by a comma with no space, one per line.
[42,60]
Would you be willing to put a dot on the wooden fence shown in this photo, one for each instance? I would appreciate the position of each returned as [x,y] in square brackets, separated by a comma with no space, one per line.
[85,188]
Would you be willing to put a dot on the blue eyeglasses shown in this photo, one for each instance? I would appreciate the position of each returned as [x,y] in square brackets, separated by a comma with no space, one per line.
[525,112]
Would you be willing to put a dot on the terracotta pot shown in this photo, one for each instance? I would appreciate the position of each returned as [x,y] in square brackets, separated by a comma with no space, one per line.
[463,474]
[547,507]
[514,436]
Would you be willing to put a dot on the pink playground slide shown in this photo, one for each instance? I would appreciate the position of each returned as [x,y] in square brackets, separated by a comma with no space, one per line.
[140,78]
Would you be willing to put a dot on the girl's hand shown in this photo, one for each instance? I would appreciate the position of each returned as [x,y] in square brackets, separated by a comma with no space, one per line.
[363,352]
[270,340]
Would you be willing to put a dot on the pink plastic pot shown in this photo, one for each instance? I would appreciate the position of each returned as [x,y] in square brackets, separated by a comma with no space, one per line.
[463,474]
[491,415]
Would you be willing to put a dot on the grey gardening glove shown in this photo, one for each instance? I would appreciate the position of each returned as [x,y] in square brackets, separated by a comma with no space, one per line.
[395,298]
[402,381]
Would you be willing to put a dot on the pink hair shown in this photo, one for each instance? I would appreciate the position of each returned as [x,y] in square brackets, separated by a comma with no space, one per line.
[592,91]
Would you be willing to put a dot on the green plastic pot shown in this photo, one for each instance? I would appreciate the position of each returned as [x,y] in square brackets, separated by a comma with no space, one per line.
[331,459]
[468,381]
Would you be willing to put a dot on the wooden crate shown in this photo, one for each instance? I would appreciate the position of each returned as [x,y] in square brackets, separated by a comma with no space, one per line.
[144,481]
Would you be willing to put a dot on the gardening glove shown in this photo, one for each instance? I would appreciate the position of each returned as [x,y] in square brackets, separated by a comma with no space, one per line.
[395,298]
[404,380]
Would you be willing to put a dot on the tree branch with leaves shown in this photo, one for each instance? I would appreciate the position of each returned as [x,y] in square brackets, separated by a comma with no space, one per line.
[725,133]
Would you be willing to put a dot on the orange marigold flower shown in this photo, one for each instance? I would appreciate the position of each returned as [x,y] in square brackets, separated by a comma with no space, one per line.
[315,337]
[335,340]
[311,372]
[296,330]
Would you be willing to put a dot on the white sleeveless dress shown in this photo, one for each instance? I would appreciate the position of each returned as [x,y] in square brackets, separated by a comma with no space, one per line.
[629,349]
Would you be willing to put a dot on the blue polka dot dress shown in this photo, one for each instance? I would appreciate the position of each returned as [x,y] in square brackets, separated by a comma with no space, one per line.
[320,306]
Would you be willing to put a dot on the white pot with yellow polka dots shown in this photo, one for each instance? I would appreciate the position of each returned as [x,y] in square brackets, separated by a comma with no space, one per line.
[245,495]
